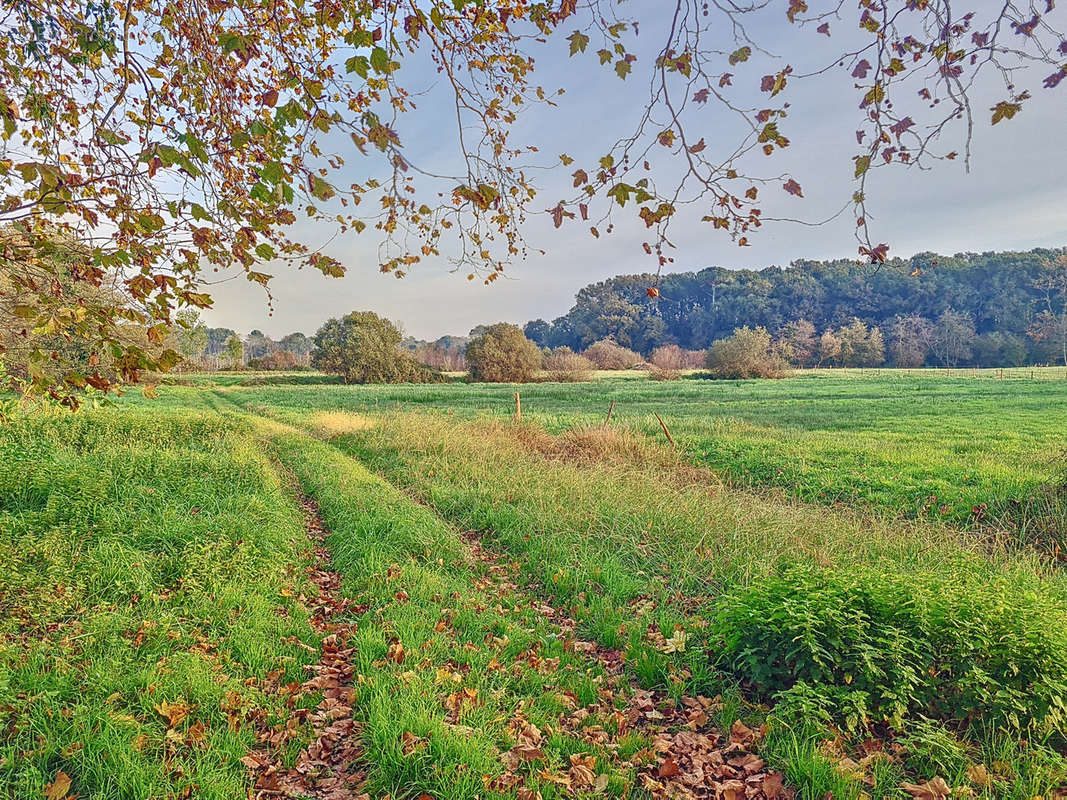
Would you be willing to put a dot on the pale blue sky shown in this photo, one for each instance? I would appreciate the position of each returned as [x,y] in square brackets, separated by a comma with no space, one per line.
[1014,198]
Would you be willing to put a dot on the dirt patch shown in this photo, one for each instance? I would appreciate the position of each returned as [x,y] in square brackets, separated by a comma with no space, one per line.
[330,767]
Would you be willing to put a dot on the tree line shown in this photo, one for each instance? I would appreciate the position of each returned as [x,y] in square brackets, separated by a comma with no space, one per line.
[988,309]
[991,309]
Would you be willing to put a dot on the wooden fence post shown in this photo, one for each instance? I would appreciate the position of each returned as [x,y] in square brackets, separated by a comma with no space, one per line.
[518,406]
[663,425]
[610,409]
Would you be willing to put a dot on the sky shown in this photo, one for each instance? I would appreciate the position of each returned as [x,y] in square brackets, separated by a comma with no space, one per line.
[1014,198]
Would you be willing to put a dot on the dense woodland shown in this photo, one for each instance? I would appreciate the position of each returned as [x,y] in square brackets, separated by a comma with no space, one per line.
[1005,308]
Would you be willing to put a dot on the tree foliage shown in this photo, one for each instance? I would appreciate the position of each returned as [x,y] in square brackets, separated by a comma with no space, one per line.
[860,346]
[503,354]
[172,139]
[362,347]
[1002,293]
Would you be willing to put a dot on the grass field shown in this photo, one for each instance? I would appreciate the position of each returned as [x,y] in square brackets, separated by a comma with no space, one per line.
[920,444]
[546,608]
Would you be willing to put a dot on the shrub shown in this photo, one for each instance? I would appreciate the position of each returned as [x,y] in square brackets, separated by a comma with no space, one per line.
[279,360]
[503,354]
[668,361]
[606,354]
[748,353]
[364,348]
[864,645]
[860,346]
[798,344]
[566,366]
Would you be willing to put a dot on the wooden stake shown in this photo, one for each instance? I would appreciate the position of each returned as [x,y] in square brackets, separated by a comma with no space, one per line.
[663,425]
[610,409]
[518,406]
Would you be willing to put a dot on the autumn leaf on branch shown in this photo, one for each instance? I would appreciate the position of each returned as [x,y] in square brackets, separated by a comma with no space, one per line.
[220,151]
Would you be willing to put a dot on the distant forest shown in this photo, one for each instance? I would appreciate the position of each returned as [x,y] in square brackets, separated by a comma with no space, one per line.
[989,309]
[998,309]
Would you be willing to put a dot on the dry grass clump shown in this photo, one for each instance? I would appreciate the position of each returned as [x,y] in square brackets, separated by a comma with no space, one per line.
[338,423]
[597,444]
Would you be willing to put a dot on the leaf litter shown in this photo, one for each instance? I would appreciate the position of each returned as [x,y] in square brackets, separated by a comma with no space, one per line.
[689,757]
[331,766]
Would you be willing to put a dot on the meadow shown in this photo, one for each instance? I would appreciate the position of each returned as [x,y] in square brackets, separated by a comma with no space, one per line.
[547,607]
[967,446]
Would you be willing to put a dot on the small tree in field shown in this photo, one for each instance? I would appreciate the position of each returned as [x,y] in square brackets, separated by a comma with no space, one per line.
[829,348]
[503,354]
[235,352]
[607,354]
[909,340]
[861,346]
[748,353]
[364,348]
[953,337]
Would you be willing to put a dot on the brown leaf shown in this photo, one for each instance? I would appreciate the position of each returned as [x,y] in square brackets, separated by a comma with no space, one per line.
[979,776]
[934,789]
[58,789]
[669,768]
[174,713]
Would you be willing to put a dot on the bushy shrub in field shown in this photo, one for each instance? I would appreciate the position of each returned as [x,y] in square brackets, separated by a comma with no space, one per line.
[503,354]
[866,646]
[669,360]
[748,353]
[566,366]
[606,354]
[362,347]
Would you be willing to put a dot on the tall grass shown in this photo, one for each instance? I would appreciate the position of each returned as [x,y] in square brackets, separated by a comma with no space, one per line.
[916,444]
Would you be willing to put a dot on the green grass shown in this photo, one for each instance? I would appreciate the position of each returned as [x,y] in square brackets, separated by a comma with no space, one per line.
[915,444]
[939,628]
[153,552]
[145,557]
[463,636]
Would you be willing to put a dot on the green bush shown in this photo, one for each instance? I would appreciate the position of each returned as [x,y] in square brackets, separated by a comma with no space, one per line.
[503,354]
[748,353]
[868,646]
[363,347]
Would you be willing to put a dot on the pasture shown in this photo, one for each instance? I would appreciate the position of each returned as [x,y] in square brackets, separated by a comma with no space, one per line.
[279,584]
